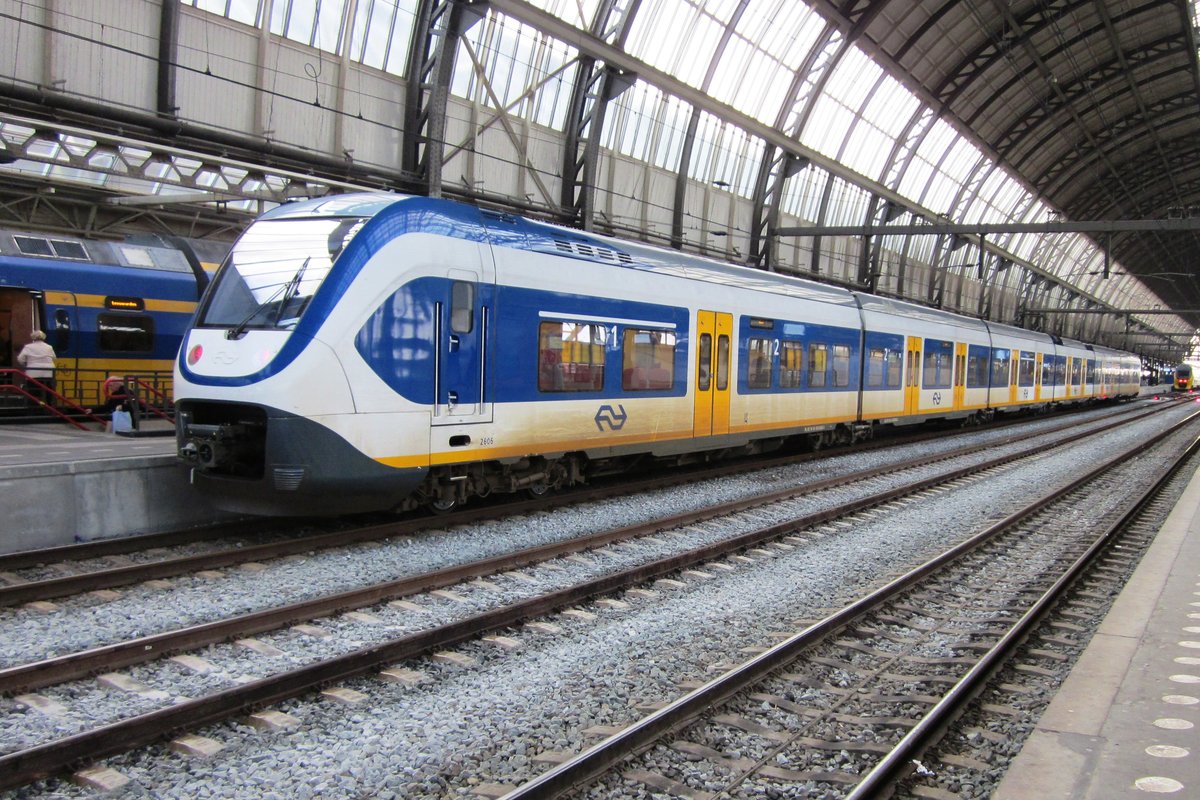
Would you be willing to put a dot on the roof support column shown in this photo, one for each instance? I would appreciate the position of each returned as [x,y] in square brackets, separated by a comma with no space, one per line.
[596,85]
[168,48]
[430,69]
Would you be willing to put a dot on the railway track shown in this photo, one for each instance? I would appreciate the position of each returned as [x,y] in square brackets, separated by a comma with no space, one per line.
[19,767]
[38,674]
[847,706]
[36,576]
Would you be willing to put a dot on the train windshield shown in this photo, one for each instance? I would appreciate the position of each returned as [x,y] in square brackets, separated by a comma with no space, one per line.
[273,272]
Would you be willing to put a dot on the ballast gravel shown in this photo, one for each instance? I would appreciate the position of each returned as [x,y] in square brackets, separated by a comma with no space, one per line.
[464,726]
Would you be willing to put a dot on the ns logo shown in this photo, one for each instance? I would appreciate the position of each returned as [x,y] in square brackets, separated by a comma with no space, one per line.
[614,419]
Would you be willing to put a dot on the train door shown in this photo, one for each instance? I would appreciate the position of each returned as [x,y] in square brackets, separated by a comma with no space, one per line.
[960,375]
[912,380]
[714,342]
[1014,368]
[462,356]
[1037,377]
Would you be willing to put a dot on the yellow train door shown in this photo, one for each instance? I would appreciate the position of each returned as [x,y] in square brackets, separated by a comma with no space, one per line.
[1014,368]
[713,373]
[912,378]
[1037,378]
[960,375]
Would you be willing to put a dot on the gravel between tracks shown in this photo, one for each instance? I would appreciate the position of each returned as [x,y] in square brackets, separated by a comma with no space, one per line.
[487,722]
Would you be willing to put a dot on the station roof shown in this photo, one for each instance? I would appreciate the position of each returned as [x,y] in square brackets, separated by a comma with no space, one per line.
[970,111]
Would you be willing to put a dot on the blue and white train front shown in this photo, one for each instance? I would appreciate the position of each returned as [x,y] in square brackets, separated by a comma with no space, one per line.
[278,409]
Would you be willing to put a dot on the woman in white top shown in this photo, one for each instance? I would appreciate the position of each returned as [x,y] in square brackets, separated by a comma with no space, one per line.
[37,361]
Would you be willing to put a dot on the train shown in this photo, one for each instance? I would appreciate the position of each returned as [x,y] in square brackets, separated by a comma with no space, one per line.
[1183,379]
[379,351]
[110,309]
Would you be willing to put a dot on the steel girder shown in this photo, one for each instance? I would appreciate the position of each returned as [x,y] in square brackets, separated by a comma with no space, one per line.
[430,69]
[596,85]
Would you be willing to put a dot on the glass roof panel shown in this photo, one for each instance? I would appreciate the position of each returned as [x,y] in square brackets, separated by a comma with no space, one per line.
[579,13]
[525,73]
[782,30]
[675,36]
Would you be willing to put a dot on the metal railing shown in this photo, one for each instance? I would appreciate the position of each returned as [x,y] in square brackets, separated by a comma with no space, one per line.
[43,397]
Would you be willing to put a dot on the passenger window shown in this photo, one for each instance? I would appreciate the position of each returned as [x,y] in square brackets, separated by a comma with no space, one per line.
[876,365]
[841,365]
[648,361]
[722,363]
[1027,369]
[758,371]
[1000,369]
[937,372]
[895,368]
[817,365]
[791,360]
[125,333]
[571,357]
[462,307]
[62,331]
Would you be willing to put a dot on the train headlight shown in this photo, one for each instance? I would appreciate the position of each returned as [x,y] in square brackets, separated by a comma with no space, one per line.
[194,355]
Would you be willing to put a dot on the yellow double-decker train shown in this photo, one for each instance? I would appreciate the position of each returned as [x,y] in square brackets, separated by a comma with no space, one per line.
[1184,378]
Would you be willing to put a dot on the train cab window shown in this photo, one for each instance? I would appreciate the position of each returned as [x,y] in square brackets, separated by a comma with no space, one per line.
[841,365]
[758,370]
[462,307]
[818,363]
[648,360]
[125,333]
[571,357]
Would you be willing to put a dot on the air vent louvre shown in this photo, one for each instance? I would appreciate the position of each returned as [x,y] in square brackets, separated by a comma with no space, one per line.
[592,252]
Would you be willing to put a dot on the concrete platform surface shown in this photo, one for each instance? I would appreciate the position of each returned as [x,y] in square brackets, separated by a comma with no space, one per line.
[1126,724]
[60,485]
[22,445]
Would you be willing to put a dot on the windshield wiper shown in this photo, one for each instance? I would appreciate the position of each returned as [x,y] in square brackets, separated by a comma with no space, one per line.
[291,289]
[288,290]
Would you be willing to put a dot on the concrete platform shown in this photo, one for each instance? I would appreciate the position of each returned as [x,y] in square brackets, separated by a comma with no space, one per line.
[60,485]
[1126,724]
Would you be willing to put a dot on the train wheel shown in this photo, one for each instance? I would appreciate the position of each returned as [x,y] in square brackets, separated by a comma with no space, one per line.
[443,505]
[537,490]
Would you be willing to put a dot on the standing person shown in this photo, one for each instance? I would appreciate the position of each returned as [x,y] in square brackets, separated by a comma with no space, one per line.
[37,360]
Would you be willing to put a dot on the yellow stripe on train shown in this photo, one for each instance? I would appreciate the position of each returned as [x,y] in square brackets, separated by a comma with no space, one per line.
[98,301]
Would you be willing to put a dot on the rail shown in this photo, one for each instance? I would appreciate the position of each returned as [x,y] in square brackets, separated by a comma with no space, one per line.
[51,757]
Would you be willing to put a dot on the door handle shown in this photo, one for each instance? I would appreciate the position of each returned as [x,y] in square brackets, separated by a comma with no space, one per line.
[451,398]
[453,346]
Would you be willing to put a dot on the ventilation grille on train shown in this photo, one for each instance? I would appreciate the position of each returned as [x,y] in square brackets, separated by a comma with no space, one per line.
[288,479]
[593,252]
